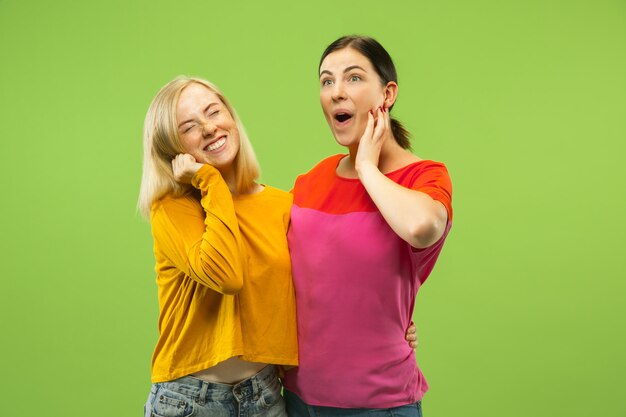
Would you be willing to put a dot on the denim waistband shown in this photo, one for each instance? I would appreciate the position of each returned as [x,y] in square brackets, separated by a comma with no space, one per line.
[203,391]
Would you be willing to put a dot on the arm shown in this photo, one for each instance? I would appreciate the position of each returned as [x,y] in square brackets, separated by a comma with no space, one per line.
[414,216]
[208,246]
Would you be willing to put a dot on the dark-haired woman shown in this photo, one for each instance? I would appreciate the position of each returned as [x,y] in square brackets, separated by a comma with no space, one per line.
[366,230]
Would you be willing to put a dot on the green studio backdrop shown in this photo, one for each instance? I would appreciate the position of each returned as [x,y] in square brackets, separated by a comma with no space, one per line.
[525,101]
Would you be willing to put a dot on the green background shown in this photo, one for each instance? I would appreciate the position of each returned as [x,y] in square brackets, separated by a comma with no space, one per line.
[525,101]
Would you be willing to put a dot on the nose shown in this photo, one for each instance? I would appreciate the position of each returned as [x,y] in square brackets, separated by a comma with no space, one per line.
[338,92]
[208,128]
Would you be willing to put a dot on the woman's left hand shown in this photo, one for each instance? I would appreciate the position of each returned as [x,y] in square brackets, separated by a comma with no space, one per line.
[373,138]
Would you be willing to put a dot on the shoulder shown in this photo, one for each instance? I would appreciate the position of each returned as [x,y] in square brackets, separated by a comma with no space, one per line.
[424,165]
[281,202]
[325,167]
[421,170]
[268,200]
[279,196]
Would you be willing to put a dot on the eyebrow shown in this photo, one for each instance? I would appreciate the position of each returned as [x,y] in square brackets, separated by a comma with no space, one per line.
[350,68]
[205,109]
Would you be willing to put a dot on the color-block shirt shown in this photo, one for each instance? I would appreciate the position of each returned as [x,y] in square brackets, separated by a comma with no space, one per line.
[356,282]
[224,278]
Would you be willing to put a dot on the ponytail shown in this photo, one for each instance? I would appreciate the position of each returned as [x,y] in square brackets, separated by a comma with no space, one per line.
[400,134]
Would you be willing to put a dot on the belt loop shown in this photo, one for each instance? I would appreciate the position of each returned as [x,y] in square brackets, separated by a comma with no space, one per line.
[257,387]
[268,374]
[203,392]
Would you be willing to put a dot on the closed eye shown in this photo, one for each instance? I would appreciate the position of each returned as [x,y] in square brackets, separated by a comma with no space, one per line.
[212,110]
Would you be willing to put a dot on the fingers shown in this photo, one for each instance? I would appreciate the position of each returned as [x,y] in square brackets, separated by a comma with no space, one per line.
[377,123]
[411,328]
[184,158]
[387,119]
[411,336]
[183,167]
[369,128]
[180,160]
[382,123]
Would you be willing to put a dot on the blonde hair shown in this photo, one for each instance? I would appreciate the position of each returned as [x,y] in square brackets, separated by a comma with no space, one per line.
[161,143]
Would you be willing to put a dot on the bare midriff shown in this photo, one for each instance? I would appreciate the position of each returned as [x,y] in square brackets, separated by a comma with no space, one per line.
[231,371]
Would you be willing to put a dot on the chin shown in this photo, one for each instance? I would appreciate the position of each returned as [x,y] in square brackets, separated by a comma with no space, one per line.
[225,163]
[345,140]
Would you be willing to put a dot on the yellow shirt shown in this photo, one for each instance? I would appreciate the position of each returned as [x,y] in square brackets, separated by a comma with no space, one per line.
[224,278]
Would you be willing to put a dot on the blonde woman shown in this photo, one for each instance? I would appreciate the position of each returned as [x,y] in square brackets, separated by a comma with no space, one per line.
[226,298]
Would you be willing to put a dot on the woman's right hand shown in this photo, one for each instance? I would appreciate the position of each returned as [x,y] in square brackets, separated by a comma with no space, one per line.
[374,136]
[184,167]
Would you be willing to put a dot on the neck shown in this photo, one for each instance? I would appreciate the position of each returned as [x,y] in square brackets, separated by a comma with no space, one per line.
[230,180]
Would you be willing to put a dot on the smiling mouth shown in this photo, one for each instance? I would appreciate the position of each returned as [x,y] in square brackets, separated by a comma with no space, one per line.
[215,145]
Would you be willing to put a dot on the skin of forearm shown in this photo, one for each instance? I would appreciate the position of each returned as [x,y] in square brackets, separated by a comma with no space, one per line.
[413,215]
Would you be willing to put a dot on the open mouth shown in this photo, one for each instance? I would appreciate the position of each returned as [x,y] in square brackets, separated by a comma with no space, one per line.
[343,117]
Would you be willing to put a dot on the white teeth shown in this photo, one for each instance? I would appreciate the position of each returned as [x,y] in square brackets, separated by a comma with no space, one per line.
[217,144]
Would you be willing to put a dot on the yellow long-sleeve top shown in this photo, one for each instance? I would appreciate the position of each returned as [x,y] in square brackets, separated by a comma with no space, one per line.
[224,278]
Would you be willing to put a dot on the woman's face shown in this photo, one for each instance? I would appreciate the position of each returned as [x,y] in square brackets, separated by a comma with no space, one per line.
[206,128]
[349,89]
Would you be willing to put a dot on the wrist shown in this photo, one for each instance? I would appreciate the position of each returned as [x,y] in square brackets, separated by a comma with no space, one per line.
[363,168]
[203,173]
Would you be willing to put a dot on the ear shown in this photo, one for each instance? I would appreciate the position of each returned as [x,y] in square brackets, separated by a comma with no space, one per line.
[391,93]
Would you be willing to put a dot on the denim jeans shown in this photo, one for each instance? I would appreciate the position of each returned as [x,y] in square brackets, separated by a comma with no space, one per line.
[258,395]
[298,408]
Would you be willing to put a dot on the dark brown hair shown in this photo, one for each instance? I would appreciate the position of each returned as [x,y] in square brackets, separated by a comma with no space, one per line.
[384,67]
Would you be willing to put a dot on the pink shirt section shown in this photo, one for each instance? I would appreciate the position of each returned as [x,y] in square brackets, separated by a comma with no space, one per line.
[356,283]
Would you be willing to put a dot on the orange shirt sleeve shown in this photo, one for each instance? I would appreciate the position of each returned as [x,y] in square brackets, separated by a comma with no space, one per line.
[433,179]
[203,241]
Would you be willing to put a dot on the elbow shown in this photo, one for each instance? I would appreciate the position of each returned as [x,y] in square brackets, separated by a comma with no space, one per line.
[227,281]
[426,232]
[231,280]
[233,286]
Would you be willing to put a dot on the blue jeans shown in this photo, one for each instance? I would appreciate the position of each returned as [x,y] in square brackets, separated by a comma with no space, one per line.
[298,408]
[258,395]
